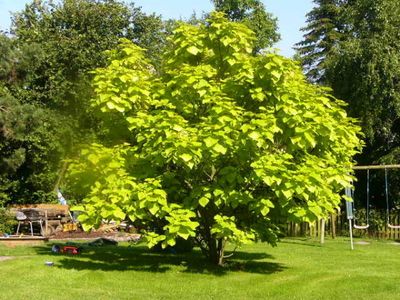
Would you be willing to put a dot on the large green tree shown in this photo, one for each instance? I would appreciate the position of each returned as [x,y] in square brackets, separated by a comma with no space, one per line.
[225,143]
[253,14]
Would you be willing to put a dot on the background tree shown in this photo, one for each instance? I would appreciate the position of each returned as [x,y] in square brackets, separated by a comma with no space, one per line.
[362,67]
[323,32]
[32,140]
[254,15]
[352,46]
[69,40]
[366,73]
[45,71]
[225,143]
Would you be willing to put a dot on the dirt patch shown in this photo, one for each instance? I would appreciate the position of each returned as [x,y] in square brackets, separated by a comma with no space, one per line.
[361,243]
[81,235]
[2,258]
[114,235]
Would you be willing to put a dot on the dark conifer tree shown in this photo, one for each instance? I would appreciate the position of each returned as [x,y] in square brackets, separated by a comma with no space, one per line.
[323,31]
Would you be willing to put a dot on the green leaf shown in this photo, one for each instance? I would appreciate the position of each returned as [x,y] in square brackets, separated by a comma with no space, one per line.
[154,209]
[254,135]
[203,201]
[186,157]
[219,148]
[110,105]
[86,226]
[185,236]
[119,214]
[77,208]
[265,211]
[193,50]
[171,242]
[210,142]
[287,193]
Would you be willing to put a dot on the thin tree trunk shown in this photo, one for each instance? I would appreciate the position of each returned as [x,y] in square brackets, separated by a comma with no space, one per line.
[216,251]
[213,251]
[221,251]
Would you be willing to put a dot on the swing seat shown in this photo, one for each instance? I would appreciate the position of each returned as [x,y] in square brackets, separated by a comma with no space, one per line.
[362,226]
[394,226]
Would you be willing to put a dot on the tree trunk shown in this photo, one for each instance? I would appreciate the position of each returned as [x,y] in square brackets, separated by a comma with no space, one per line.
[221,251]
[213,248]
[216,251]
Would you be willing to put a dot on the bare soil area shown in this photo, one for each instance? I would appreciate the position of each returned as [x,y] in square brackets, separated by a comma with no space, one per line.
[79,234]
[2,258]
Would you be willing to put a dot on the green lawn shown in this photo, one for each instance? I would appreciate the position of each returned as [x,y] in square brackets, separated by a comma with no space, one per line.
[296,269]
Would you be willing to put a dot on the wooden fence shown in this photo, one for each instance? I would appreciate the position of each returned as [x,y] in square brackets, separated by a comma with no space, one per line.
[338,225]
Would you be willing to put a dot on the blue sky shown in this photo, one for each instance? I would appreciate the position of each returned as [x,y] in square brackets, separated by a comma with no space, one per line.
[290,14]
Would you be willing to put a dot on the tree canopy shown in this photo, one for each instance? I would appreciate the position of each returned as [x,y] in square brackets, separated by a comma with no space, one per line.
[225,143]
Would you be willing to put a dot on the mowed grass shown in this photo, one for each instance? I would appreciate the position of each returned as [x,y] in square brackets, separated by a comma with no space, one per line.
[296,269]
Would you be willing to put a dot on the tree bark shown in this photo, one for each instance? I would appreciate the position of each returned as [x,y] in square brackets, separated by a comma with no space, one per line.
[216,251]
[221,251]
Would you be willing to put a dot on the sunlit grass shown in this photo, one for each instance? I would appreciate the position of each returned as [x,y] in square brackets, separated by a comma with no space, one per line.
[296,269]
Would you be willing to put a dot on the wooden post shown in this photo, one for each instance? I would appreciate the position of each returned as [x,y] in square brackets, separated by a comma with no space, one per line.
[46,222]
[322,231]
[351,234]
[310,229]
[316,228]
[333,225]
[296,229]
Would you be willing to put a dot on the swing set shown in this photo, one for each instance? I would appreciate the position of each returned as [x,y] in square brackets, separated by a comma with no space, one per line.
[349,192]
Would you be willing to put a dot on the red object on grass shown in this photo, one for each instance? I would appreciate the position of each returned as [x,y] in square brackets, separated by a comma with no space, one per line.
[67,249]
[70,250]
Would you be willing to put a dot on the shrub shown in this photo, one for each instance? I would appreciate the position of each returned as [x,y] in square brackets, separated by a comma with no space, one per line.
[7,221]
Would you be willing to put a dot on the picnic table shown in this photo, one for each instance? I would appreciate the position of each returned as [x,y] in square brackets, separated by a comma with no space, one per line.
[50,217]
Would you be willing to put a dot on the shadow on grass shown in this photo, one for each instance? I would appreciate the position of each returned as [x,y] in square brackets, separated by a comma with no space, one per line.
[303,242]
[139,258]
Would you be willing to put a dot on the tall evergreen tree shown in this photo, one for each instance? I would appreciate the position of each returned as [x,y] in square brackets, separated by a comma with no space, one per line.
[323,31]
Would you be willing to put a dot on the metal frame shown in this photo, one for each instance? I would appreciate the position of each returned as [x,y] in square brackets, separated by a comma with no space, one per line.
[349,205]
